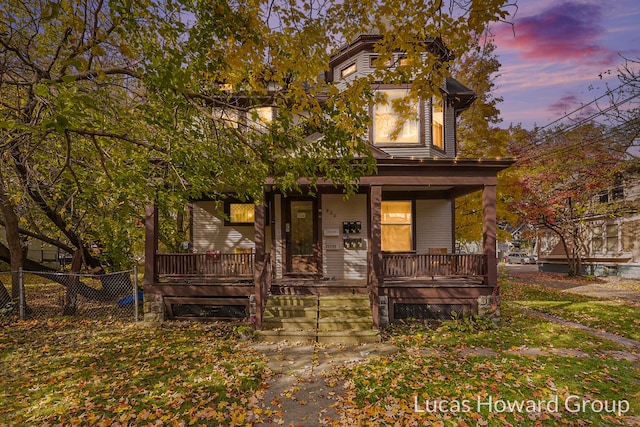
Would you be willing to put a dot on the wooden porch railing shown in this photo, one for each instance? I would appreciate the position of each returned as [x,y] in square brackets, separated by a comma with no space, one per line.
[213,264]
[421,265]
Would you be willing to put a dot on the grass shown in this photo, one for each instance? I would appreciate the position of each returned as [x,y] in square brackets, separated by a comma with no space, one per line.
[94,373]
[615,316]
[432,380]
[75,372]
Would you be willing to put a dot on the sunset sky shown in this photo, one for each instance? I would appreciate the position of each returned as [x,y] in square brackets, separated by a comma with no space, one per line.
[553,55]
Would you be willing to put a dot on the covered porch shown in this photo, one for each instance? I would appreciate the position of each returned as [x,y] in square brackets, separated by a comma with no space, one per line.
[421,277]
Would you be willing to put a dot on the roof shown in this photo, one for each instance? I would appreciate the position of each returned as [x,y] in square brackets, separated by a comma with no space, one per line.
[461,96]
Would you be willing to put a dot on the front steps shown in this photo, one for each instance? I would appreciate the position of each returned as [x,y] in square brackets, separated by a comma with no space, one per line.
[338,319]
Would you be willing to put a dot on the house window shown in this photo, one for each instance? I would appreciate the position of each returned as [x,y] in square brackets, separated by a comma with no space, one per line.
[596,239]
[239,213]
[347,71]
[604,239]
[258,118]
[397,226]
[394,121]
[611,236]
[226,117]
[437,123]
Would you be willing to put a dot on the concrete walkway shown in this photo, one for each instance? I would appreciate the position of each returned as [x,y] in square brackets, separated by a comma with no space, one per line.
[301,393]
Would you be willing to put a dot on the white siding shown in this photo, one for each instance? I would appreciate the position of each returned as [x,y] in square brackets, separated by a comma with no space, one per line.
[277,222]
[338,262]
[433,225]
[210,233]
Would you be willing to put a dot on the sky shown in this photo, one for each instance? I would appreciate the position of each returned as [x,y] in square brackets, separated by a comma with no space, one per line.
[554,54]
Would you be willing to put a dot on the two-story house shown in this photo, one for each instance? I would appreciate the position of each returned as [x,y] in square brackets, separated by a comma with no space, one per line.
[611,232]
[391,244]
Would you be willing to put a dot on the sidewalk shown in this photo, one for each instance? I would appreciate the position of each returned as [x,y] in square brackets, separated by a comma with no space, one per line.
[302,392]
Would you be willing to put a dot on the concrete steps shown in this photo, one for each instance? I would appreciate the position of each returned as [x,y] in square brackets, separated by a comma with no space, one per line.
[343,319]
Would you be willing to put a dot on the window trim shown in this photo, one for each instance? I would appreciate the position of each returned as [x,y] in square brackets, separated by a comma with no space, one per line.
[420,117]
[432,124]
[412,203]
[348,71]
[227,211]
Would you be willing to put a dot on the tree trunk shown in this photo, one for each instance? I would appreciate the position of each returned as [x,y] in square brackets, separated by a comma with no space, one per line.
[71,299]
[12,236]
[5,298]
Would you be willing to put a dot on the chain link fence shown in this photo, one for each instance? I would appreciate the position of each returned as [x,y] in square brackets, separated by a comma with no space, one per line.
[43,295]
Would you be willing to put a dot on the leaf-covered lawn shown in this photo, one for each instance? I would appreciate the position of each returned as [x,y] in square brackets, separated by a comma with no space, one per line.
[465,373]
[64,372]
[615,316]
[403,389]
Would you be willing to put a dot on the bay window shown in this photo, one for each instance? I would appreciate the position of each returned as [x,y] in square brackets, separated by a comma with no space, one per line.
[395,122]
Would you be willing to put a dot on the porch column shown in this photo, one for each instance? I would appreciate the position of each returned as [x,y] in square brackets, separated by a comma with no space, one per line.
[150,244]
[153,300]
[489,233]
[374,254]
[260,270]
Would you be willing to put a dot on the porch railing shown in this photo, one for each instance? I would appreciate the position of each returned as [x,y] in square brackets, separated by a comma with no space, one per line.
[213,264]
[424,265]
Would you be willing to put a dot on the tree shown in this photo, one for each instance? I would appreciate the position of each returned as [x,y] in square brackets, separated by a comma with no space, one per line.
[561,171]
[110,105]
[481,137]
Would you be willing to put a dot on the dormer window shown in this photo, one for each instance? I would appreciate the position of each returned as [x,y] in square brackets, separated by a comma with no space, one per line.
[437,123]
[347,71]
[393,121]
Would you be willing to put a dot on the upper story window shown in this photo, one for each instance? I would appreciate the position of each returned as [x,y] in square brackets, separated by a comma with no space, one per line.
[395,122]
[348,70]
[437,123]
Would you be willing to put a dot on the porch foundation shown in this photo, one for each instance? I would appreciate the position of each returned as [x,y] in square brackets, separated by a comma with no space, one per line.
[154,309]
[489,307]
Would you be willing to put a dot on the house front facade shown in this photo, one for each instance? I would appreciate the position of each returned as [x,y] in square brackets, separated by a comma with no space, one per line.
[611,234]
[393,241]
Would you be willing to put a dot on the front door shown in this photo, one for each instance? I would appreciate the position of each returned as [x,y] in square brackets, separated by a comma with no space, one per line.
[301,237]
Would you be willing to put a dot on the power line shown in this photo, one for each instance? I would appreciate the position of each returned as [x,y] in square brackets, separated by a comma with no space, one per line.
[607,93]
[573,127]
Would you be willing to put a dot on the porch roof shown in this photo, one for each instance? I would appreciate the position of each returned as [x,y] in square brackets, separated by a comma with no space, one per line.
[455,176]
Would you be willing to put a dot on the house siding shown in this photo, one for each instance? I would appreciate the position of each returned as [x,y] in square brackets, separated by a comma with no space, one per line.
[210,233]
[277,236]
[339,262]
[434,228]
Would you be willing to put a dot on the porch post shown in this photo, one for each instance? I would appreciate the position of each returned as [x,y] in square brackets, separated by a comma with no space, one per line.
[489,233]
[150,244]
[375,251]
[260,281]
[153,302]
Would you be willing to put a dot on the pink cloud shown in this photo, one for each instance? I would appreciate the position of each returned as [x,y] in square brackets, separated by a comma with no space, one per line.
[566,31]
[568,104]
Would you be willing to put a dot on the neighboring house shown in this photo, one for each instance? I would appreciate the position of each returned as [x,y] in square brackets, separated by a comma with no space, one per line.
[611,238]
[393,241]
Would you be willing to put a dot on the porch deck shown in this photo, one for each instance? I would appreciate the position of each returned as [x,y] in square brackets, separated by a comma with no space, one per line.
[407,278]
[230,271]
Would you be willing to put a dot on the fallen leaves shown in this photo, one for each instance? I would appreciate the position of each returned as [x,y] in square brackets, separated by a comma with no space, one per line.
[119,374]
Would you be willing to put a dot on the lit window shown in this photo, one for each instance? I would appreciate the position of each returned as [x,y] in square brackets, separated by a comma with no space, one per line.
[258,118]
[240,213]
[347,71]
[394,121]
[437,121]
[397,226]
